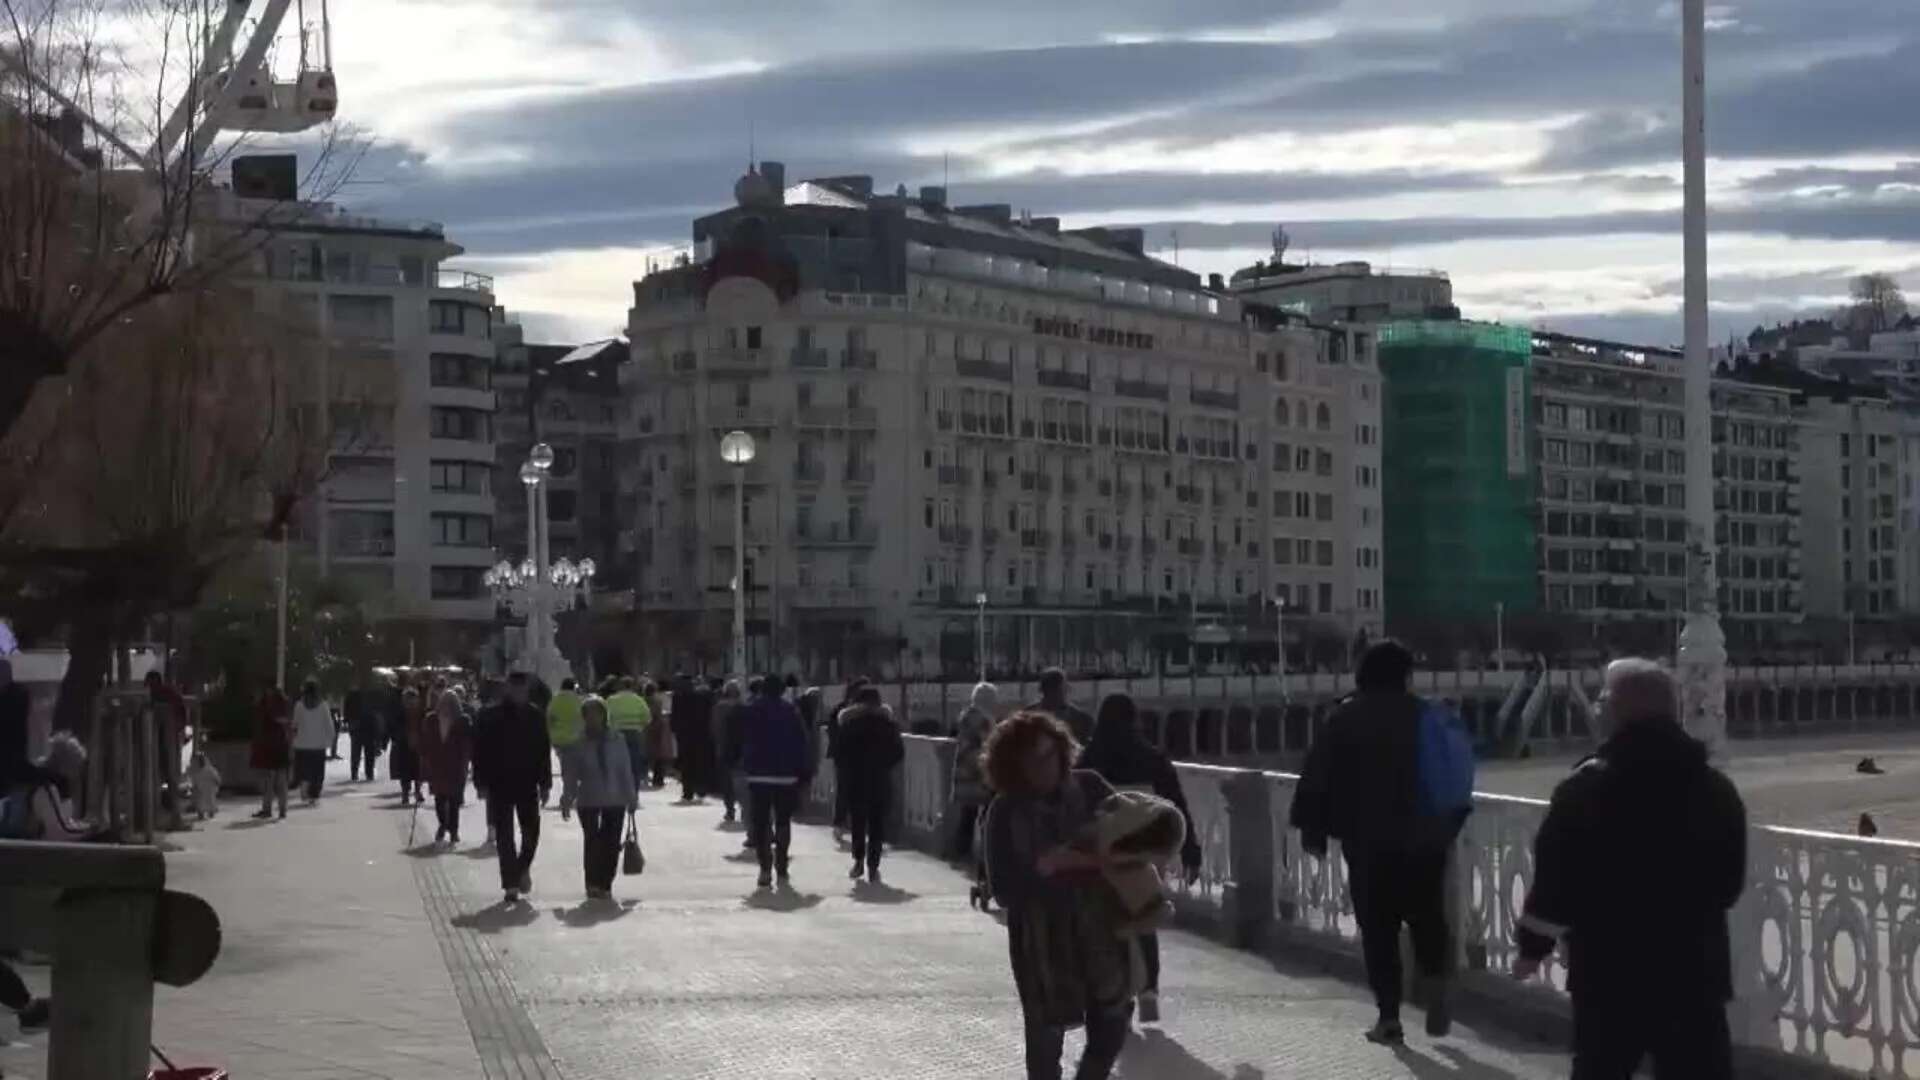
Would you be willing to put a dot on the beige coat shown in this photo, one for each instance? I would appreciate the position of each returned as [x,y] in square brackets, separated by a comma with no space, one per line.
[1155,829]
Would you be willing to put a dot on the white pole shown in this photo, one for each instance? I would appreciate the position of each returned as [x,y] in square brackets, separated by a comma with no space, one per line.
[1849,634]
[980,634]
[1500,636]
[531,644]
[1280,642]
[1703,650]
[280,611]
[739,570]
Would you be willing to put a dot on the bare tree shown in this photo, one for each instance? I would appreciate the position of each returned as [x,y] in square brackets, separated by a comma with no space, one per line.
[1877,305]
[93,228]
[175,439]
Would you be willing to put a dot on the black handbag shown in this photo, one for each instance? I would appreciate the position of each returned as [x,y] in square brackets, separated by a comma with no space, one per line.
[632,859]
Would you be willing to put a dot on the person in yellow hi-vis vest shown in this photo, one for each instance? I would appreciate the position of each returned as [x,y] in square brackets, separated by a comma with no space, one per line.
[564,728]
[628,714]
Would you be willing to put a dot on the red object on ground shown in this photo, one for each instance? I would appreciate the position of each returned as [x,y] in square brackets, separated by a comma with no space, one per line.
[192,1073]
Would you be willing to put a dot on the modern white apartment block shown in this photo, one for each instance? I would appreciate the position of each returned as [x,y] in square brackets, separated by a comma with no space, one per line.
[406,507]
[1348,291]
[1858,462]
[958,403]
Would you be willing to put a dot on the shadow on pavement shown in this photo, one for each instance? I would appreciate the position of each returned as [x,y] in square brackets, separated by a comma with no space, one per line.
[426,850]
[501,916]
[731,826]
[784,900]
[1457,1066]
[1151,1054]
[866,892]
[594,912]
[249,823]
[744,855]
[482,851]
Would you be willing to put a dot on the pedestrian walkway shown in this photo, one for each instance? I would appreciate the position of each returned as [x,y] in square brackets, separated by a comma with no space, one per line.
[347,958]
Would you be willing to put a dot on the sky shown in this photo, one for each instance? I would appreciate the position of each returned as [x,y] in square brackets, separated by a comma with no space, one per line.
[1530,148]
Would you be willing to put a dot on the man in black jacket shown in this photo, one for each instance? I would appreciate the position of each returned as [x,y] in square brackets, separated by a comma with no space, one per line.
[1649,969]
[868,750]
[692,720]
[513,771]
[1359,787]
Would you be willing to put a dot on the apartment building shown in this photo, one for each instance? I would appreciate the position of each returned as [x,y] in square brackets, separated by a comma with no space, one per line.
[1545,475]
[974,424]
[1348,291]
[405,511]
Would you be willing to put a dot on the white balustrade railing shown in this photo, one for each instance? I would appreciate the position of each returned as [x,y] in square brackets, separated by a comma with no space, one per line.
[1826,943]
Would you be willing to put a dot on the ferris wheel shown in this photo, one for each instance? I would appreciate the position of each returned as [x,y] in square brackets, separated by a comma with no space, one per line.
[235,88]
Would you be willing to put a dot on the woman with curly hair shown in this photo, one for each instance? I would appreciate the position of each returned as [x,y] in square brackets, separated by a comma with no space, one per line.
[1068,967]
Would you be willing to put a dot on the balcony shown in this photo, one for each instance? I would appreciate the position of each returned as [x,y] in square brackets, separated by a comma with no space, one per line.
[1106,541]
[1039,539]
[863,417]
[685,360]
[821,416]
[971,368]
[742,416]
[736,359]
[1123,544]
[832,596]
[1036,481]
[955,476]
[1187,493]
[857,472]
[959,535]
[807,358]
[1214,399]
[837,534]
[1123,491]
[859,359]
[1065,380]
[1140,388]
[943,420]
[1069,487]
[361,547]
[1189,547]
[990,536]
[1148,545]
[809,472]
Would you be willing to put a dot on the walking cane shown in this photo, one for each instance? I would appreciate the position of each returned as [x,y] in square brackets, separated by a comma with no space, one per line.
[413,823]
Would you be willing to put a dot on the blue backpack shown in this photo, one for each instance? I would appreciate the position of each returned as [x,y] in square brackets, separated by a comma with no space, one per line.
[1446,762]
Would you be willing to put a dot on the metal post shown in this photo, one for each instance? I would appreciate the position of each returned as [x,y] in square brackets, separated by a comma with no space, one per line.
[1499,636]
[740,569]
[1280,645]
[531,645]
[280,615]
[980,633]
[1703,647]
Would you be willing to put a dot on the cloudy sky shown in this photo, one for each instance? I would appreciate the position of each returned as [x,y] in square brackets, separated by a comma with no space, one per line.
[1528,147]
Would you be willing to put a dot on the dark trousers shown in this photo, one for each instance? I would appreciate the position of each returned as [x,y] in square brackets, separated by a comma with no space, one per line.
[1390,888]
[447,809]
[1106,1035]
[600,828]
[770,821]
[696,762]
[867,803]
[723,781]
[13,990]
[516,858]
[362,749]
[1150,952]
[1611,1038]
[309,770]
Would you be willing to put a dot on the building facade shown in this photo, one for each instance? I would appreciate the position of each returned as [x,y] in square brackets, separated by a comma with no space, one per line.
[1349,291]
[972,426]
[1549,471]
[405,509]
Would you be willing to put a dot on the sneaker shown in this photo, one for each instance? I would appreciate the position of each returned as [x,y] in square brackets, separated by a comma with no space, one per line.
[283,813]
[1439,1009]
[262,815]
[1149,1011]
[766,879]
[1386,1033]
[36,1015]
[728,819]
[857,871]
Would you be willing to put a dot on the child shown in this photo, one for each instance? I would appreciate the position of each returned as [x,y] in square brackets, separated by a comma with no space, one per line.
[206,787]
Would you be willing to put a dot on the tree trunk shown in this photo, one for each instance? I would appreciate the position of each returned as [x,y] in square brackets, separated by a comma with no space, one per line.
[89,658]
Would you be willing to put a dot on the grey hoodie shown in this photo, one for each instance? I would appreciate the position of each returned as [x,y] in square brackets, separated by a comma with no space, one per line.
[975,724]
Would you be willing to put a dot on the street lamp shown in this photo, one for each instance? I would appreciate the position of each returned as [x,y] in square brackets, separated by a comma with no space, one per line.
[980,632]
[1280,642]
[535,589]
[1703,648]
[737,450]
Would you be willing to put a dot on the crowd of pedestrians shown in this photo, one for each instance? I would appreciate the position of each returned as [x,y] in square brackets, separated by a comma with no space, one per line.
[1073,824]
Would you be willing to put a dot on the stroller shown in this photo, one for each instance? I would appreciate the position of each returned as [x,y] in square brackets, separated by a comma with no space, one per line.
[980,893]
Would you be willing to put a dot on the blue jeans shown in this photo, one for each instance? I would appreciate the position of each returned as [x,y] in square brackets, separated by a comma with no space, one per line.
[636,753]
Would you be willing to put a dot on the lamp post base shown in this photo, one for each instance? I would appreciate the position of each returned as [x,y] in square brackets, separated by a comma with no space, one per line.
[1703,680]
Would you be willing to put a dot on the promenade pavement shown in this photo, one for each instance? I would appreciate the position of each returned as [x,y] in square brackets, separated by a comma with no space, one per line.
[348,957]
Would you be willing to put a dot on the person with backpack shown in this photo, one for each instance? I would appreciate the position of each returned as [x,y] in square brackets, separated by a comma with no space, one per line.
[1127,761]
[1650,972]
[1385,779]
[868,750]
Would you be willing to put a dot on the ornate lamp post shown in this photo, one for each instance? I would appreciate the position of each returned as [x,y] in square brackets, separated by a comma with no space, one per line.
[535,589]
[737,449]
[980,632]
[1703,648]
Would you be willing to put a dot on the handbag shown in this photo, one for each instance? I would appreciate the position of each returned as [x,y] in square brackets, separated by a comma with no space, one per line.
[632,859]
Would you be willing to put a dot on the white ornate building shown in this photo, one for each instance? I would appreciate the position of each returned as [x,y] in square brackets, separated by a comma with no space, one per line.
[956,402]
